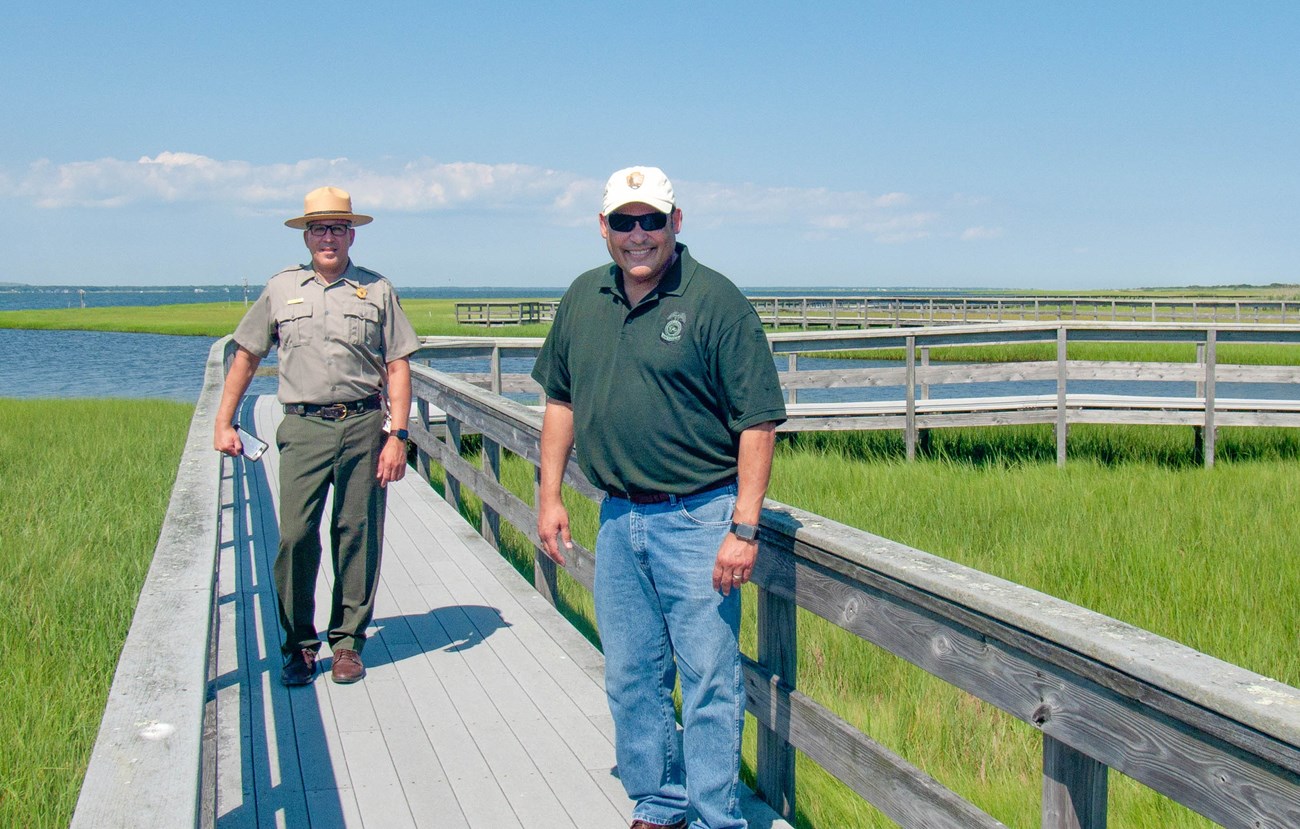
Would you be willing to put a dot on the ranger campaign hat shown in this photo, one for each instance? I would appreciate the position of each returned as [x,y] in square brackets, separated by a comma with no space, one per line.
[644,185]
[326,203]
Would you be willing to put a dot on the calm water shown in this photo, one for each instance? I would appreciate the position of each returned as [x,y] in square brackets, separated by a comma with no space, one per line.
[103,364]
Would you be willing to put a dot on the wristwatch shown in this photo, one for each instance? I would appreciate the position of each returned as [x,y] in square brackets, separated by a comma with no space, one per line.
[745,532]
[400,434]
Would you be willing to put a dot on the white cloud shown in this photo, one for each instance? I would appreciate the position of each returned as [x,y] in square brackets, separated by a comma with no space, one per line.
[425,185]
[971,234]
[185,177]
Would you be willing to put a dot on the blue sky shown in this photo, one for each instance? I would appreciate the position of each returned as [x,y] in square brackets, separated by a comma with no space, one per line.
[836,144]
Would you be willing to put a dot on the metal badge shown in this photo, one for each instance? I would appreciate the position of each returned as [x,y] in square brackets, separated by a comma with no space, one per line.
[361,292]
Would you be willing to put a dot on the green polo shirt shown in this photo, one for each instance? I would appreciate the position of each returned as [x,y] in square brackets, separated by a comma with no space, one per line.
[662,391]
[334,341]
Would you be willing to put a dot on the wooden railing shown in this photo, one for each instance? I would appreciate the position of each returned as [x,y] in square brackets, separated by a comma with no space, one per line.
[835,312]
[1104,695]
[505,313]
[145,769]
[924,400]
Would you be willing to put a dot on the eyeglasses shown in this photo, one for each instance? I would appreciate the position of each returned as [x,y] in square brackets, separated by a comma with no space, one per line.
[623,223]
[319,231]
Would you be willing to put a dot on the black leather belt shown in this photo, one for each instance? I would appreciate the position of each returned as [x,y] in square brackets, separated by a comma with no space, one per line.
[643,497]
[334,411]
[661,497]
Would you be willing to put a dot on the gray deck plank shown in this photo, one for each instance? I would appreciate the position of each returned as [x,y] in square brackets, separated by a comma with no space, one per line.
[439,734]
[481,707]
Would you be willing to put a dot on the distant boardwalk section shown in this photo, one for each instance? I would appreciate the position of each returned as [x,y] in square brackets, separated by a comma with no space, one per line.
[835,312]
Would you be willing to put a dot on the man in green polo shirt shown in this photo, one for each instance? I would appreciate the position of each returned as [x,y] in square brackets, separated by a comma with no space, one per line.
[343,341]
[661,371]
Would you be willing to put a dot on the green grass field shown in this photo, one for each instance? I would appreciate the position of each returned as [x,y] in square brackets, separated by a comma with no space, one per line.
[84,486]
[431,317]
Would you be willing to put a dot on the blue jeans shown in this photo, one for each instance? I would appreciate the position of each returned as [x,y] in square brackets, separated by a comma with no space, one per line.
[659,614]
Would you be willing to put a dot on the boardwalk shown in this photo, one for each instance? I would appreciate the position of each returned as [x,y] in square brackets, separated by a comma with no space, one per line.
[482,707]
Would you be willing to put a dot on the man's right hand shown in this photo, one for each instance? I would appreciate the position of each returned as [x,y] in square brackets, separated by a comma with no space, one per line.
[226,440]
[553,521]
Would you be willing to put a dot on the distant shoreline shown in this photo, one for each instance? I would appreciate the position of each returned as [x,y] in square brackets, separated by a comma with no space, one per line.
[479,291]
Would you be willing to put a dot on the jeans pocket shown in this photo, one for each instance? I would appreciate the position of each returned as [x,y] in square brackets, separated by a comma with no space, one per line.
[710,509]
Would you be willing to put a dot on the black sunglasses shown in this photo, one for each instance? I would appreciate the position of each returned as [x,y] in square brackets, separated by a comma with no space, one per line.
[623,223]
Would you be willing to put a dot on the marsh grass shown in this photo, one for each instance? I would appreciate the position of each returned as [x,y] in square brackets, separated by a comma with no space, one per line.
[84,486]
[430,317]
[1132,528]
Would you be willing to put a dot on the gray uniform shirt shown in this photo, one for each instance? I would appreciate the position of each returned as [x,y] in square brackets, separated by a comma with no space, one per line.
[334,341]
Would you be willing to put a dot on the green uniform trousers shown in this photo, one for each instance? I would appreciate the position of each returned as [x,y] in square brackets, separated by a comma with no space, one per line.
[316,454]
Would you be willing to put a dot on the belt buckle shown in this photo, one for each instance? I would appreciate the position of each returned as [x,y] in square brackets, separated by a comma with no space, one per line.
[335,411]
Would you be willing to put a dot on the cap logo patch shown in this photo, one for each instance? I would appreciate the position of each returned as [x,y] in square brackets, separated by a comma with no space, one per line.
[673,327]
[635,179]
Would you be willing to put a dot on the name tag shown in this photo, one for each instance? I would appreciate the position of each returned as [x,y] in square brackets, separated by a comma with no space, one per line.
[297,301]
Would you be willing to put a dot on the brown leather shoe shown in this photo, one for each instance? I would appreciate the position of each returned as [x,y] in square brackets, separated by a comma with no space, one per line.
[641,824]
[300,669]
[347,666]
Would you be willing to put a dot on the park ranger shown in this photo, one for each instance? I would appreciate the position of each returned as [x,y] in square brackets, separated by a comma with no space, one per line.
[343,344]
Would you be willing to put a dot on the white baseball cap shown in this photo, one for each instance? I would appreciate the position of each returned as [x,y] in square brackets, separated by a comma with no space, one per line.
[643,185]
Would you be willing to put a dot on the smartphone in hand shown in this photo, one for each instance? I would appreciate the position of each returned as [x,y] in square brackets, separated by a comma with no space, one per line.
[254,446]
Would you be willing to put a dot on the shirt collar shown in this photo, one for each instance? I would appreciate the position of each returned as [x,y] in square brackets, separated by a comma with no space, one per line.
[674,281]
[349,275]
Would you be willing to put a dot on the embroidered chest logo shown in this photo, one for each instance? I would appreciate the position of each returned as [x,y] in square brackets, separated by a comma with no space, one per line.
[673,327]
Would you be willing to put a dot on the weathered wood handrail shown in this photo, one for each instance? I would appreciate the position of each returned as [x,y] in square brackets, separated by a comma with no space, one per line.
[1221,740]
[835,312]
[145,769]
[488,313]
[916,407]
[848,311]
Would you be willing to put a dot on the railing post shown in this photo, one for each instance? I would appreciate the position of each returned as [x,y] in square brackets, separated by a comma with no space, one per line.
[496,369]
[777,651]
[422,457]
[792,366]
[1075,788]
[1211,337]
[490,520]
[923,435]
[451,490]
[909,429]
[925,363]
[1062,427]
